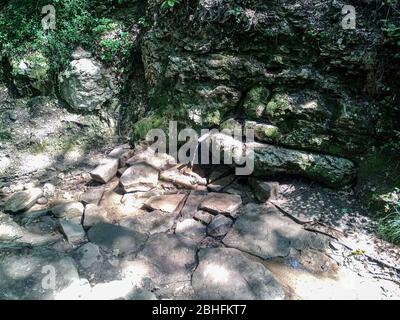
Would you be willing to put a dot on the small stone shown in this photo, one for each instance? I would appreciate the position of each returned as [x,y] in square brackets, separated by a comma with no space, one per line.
[219,184]
[167,203]
[223,203]
[159,161]
[72,230]
[92,195]
[139,177]
[68,210]
[106,170]
[219,226]
[263,190]
[12,115]
[122,154]
[42,200]
[189,181]
[192,229]
[22,200]
[203,216]
[94,215]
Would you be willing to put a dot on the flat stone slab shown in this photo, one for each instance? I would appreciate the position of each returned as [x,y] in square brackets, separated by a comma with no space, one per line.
[106,170]
[203,216]
[228,274]
[139,177]
[23,200]
[94,215]
[222,203]
[192,229]
[266,233]
[122,153]
[73,231]
[92,195]
[166,203]
[68,210]
[219,226]
[174,257]
[149,222]
[117,239]
[25,274]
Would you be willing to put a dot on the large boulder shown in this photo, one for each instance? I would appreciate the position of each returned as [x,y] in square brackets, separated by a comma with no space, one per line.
[266,233]
[270,159]
[85,85]
[330,170]
[227,274]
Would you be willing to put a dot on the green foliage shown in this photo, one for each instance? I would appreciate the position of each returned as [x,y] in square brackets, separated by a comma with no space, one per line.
[169,4]
[113,44]
[394,144]
[392,32]
[143,22]
[389,226]
[4,135]
[236,12]
[21,30]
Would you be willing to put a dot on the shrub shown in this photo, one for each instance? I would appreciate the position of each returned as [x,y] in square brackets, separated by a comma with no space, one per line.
[389,226]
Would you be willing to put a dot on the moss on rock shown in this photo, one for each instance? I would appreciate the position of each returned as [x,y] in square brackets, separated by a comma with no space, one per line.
[256,102]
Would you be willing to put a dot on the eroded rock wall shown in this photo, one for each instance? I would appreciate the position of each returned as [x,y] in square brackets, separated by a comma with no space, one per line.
[289,64]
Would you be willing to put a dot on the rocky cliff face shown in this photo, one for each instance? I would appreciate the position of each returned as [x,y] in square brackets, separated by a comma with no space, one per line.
[288,64]
[287,68]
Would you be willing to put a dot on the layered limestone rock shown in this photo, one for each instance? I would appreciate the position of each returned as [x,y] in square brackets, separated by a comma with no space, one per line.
[296,89]
[269,159]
